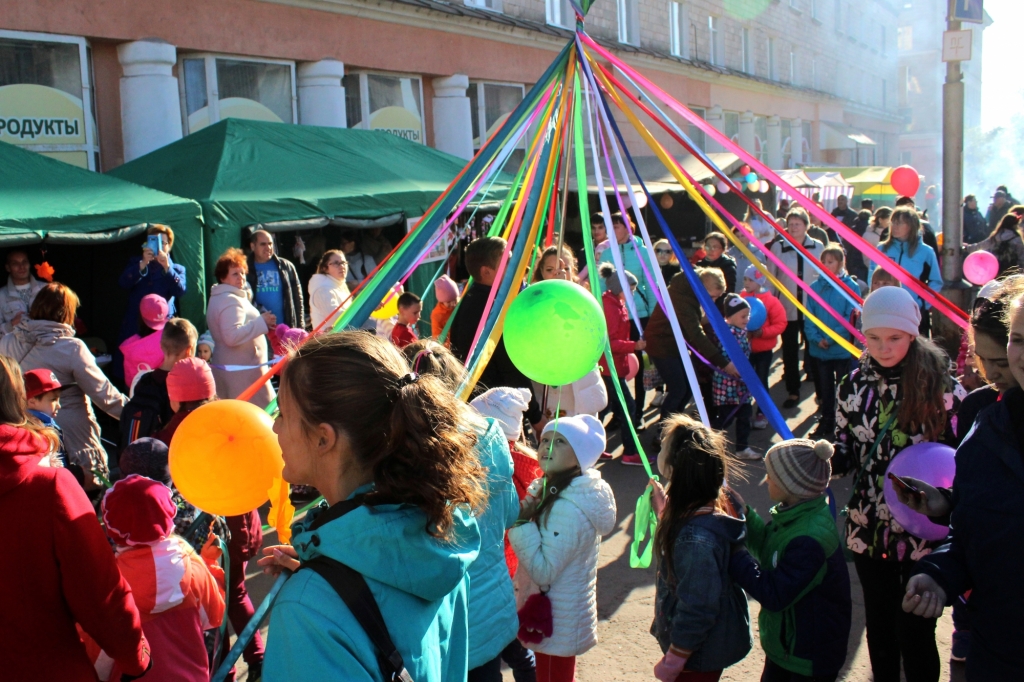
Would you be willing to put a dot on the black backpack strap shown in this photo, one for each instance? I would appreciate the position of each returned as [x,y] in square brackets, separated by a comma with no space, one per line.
[352,588]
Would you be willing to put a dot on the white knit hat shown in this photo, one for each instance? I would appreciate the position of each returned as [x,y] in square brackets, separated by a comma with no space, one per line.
[584,433]
[891,307]
[505,406]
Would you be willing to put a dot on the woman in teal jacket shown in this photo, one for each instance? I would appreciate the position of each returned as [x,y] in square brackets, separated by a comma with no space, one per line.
[394,456]
[905,247]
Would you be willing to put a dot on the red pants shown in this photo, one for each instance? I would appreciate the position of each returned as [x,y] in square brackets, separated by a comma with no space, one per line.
[555,668]
[240,611]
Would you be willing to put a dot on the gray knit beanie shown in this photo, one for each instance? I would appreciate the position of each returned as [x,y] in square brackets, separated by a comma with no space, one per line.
[611,278]
[800,467]
[892,308]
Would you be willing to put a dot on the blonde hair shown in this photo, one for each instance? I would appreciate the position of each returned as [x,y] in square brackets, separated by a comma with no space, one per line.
[14,406]
[713,276]
[664,242]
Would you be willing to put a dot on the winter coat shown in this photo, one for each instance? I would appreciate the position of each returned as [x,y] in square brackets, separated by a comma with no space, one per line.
[325,295]
[996,214]
[661,343]
[1007,247]
[922,265]
[559,553]
[984,552]
[525,471]
[796,570]
[12,305]
[420,584]
[629,252]
[726,389]
[493,623]
[727,265]
[975,226]
[360,266]
[839,303]
[239,332]
[64,574]
[49,345]
[865,400]
[291,294]
[847,216]
[154,280]
[439,317]
[616,318]
[697,606]
[587,395]
[773,326]
[797,264]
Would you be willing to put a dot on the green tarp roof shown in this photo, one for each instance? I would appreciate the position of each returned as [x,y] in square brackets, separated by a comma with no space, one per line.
[247,172]
[43,200]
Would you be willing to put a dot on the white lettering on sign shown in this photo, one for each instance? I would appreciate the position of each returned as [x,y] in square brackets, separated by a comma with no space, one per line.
[956,46]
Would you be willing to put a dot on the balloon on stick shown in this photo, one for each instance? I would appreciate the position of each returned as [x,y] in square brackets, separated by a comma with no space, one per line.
[905,181]
[932,463]
[758,313]
[981,267]
[555,332]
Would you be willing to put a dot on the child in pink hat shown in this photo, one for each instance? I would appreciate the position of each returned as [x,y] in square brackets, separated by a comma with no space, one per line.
[142,351]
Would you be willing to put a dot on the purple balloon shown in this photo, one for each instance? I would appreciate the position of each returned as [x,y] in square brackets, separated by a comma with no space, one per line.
[932,463]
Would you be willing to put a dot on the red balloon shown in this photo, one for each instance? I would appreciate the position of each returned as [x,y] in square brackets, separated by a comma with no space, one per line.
[744,170]
[905,181]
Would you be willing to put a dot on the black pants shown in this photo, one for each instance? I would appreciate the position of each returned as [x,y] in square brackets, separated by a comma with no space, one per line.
[791,341]
[677,386]
[621,412]
[488,672]
[640,395]
[762,364]
[724,415]
[775,673]
[925,328]
[828,374]
[521,660]
[892,633]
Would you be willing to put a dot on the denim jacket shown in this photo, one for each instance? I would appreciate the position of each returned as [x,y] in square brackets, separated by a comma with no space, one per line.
[701,609]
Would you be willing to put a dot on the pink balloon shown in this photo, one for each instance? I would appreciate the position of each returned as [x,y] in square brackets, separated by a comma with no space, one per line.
[981,267]
[634,366]
[932,463]
[905,181]
[723,187]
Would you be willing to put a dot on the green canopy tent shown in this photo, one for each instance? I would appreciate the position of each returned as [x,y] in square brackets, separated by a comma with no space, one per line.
[68,211]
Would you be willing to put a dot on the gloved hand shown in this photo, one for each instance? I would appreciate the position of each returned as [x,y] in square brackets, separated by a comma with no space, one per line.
[670,666]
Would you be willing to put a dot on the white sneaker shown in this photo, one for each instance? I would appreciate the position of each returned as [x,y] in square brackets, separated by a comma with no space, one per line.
[659,398]
[760,422]
[748,455]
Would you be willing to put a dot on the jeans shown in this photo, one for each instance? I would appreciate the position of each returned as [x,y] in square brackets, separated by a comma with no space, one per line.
[791,356]
[521,660]
[762,364]
[638,382]
[892,633]
[628,446]
[725,414]
[677,387]
[829,373]
[556,668]
[776,673]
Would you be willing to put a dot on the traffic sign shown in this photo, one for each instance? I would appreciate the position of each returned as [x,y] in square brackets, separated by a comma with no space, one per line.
[969,10]
[957,46]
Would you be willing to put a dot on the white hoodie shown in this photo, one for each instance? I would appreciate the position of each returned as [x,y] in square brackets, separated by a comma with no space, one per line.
[325,294]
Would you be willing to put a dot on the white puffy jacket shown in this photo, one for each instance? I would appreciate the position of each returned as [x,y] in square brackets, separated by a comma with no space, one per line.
[561,555]
[586,395]
[325,295]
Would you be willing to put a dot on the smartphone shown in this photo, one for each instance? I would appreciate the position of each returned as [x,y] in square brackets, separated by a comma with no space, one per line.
[903,485]
[155,243]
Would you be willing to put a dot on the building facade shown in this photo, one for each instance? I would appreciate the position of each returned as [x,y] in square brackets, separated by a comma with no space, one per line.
[101,82]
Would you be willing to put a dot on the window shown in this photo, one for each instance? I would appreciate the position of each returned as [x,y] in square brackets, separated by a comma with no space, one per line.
[714,44]
[792,66]
[695,133]
[773,72]
[679,30]
[883,39]
[388,102]
[795,4]
[814,73]
[560,13]
[732,125]
[493,5]
[814,10]
[45,97]
[215,87]
[761,138]
[805,151]
[905,38]
[748,52]
[629,22]
[490,104]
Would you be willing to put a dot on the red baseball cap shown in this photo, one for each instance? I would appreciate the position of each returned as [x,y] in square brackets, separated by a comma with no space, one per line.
[154,311]
[138,511]
[190,379]
[40,381]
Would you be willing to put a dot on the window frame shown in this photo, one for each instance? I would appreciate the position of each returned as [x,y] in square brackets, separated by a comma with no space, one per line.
[679,29]
[482,4]
[91,147]
[773,67]
[481,105]
[628,14]
[551,6]
[364,97]
[746,51]
[714,41]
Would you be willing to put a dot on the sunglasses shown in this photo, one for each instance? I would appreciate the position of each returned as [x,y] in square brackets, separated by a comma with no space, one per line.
[664,252]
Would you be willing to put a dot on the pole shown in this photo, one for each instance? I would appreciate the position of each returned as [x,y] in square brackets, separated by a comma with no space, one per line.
[954,288]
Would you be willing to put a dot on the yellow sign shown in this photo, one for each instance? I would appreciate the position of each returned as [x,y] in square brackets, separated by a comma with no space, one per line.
[398,121]
[33,115]
[232,107]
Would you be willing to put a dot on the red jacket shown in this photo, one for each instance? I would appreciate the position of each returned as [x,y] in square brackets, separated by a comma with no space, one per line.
[526,470]
[773,326]
[617,319]
[63,572]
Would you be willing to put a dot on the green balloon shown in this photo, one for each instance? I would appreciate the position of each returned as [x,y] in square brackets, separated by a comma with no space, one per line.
[555,332]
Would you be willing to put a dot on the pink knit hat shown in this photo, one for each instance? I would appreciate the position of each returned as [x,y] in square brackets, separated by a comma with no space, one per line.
[445,289]
[190,379]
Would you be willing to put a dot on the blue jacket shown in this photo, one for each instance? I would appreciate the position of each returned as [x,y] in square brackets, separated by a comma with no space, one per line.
[630,252]
[420,584]
[493,622]
[923,265]
[701,609]
[155,280]
[839,303]
[984,552]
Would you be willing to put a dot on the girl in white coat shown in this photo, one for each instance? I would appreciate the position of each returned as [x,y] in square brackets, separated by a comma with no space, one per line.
[558,538]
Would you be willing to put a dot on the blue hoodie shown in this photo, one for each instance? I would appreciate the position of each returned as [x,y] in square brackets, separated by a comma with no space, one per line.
[630,252]
[419,582]
[923,265]
[839,303]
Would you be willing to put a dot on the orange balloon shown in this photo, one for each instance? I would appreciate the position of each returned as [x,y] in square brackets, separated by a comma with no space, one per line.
[224,457]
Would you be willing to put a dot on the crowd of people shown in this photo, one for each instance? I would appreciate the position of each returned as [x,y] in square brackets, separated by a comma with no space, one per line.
[469,532]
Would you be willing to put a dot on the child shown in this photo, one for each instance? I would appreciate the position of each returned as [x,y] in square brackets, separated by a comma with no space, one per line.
[883,278]
[149,408]
[796,568]
[714,283]
[832,361]
[43,393]
[700,616]
[617,319]
[205,346]
[179,593]
[731,396]
[557,540]
[446,291]
[142,351]
[763,340]
[404,331]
